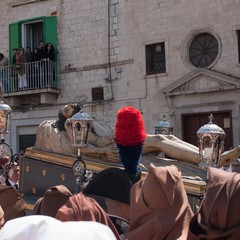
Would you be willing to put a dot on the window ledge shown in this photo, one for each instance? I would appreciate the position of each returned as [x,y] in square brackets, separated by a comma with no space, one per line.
[156,75]
[24,2]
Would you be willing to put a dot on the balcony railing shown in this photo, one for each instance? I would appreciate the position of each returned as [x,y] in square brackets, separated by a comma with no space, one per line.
[29,76]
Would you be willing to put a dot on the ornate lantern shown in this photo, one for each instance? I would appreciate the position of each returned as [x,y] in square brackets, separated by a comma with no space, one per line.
[211,144]
[5,115]
[5,148]
[164,127]
[80,124]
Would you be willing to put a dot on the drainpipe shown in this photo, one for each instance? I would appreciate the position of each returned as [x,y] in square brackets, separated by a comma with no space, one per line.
[109,50]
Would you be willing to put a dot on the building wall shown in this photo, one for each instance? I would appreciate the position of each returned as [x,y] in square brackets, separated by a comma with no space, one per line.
[85,50]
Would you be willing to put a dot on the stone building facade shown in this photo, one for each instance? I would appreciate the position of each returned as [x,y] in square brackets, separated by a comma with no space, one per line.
[174,58]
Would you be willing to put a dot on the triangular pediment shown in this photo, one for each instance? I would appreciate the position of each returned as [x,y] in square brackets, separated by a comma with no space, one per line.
[202,80]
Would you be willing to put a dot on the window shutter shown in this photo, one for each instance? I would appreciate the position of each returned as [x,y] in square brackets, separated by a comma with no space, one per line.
[14,38]
[50,31]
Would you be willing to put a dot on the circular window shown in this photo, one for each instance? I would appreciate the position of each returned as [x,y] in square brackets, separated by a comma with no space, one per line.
[203,50]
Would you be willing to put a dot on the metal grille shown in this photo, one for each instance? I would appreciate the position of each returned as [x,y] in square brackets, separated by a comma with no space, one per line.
[97,94]
[238,36]
[155,58]
[33,75]
[203,50]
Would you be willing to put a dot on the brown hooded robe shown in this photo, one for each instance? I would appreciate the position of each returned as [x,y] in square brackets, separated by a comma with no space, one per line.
[218,216]
[12,203]
[159,207]
[82,208]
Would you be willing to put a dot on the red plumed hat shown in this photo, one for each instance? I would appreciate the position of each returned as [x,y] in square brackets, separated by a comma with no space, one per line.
[129,128]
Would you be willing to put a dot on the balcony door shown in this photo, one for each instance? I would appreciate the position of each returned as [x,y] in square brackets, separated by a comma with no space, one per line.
[32,34]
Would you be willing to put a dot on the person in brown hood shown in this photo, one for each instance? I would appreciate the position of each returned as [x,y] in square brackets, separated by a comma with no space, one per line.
[218,216]
[12,203]
[52,200]
[159,207]
[82,208]
[2,220]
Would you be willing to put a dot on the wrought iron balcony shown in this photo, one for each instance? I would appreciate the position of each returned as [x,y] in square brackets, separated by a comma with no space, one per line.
[29,76]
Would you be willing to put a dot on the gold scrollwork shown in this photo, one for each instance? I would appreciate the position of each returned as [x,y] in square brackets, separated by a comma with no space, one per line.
[44,172]
[63,177]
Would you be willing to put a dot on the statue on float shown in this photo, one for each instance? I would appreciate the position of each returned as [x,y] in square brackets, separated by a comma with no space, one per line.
[54,136]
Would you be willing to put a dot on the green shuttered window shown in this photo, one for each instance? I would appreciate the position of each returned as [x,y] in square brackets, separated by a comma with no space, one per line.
[49,32]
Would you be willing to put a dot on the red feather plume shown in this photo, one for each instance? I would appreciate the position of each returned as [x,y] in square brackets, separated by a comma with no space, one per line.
[129,128]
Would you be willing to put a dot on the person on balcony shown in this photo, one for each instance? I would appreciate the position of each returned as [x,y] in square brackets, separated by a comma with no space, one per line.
[41,57]
[29,66]
[3,60]
[29,55]
[36,57]
[3,72]
[49,52]
[41,50]
[14,51]
[49,55]
[36,68]
[20,68]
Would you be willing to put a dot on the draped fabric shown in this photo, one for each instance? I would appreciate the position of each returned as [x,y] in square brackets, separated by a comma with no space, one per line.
[159,207]
[218,216]
[82,208]
[45,228]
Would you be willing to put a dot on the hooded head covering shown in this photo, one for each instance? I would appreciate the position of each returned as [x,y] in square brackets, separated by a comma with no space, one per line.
[82,208]
[45,227]
[218,216]
[52,200]
[129,136]
[12,203]
[159,207]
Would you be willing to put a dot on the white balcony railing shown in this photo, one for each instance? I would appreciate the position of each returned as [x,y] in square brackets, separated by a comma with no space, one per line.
[29,76]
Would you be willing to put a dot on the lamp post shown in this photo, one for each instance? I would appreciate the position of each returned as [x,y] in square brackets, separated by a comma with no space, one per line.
[5,116]
[5,148]
[80,124]
[211,144]
[164,127]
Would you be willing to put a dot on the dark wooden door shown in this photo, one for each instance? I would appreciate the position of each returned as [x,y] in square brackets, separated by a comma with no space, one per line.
[191,124]
[26,141]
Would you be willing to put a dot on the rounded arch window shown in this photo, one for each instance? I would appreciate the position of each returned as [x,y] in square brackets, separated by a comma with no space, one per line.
[203,50]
